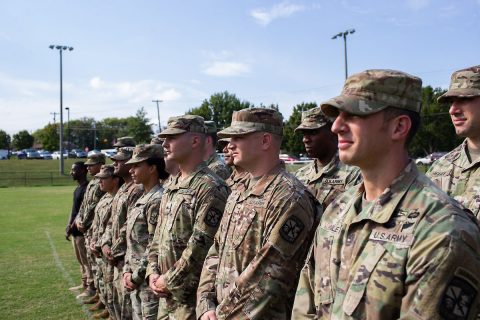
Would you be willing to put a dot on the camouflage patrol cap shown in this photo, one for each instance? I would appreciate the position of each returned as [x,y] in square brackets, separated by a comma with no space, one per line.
[156,140]
[251,120]
[123,154]
[313,119]
[371,91]
[125,142]
[95,159]
[210,127]
[182,124]
[143,152]
[464,83]
[106,171]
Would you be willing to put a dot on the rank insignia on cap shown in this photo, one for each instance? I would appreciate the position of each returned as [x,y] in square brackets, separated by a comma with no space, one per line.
[457,299]
[291,229]
[212,218]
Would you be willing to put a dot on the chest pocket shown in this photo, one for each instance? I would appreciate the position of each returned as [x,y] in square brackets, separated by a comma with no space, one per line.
[181,211]
[362,275]
[138,226]
[242,221]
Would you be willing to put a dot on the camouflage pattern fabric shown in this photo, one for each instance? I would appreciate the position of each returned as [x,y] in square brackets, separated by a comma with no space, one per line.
[236,178]
[413,253]
[458,177]
[326,183]
[251,120]
[250,271]
[218,166]
[141,222]
[115,238]
[87,209]
[464,83]
[190,214]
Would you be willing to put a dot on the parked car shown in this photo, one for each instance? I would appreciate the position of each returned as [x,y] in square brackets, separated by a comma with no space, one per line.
[32,154]
[21,154]
[428,160]
[288,158]
[92,152]
[56,154]
[3,154]
[77,153]
[46,155]
[109,152]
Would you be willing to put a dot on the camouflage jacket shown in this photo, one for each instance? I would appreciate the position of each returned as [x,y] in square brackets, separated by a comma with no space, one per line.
[454,174]
[235,178]
[115,233]
[250,271]
[91,198]
[218,166]
[103,212]
[413,253]
[190,213]
[141,222]
[328,182]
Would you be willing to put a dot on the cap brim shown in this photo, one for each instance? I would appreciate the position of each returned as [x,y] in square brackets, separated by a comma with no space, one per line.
[135,160]
[170,132]
[352,105]
[120,157]
[102,176]
[235,131]
[91,163]
[311,127]
[458,93]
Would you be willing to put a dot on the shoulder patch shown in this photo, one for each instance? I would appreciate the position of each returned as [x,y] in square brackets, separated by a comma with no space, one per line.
[153,217]
[291,229]
[457,299]
[213,217]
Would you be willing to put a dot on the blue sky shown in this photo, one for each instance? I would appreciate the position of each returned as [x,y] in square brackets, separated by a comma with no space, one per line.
[127,53]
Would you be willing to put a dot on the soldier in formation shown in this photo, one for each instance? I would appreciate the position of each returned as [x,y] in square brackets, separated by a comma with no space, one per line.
[210,154]
[458,172]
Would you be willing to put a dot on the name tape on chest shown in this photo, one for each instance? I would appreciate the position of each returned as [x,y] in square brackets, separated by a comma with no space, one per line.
[392,237]
[332,227]
[333,181]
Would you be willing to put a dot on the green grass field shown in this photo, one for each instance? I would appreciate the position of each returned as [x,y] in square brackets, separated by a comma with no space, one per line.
[37,264]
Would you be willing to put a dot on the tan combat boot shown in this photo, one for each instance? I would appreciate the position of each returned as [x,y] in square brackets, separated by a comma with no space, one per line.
[103,315]
[98,306]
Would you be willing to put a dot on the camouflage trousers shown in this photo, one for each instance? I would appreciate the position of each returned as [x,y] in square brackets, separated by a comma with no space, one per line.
[92,260]
[121,298]
[108,283]
[169,309]
[144,303]
[81,254]
[100,283]
[304,304]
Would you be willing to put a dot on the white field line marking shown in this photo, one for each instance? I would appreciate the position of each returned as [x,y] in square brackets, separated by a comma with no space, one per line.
[66,275]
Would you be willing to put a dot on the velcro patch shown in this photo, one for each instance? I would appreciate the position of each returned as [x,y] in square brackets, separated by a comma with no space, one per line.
[213,217]
[333,181]
[291,229]
[403,239]
[457,299]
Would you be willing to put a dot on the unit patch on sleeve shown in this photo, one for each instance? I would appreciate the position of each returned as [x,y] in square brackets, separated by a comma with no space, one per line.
[457,299]
[291,229]
[213,217]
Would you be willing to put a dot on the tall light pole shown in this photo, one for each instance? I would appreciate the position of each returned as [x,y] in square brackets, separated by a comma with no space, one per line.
[158,113]
[344,35]
[68,128]
[60,49]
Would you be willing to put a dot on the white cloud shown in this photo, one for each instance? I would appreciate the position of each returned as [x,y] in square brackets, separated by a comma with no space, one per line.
[227,69]
[417,4]
[266,16]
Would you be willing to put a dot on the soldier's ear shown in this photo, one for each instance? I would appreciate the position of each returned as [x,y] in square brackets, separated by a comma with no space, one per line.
[267,140]
[401,127]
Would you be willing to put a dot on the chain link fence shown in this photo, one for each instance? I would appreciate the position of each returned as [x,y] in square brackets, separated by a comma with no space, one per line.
[32,179]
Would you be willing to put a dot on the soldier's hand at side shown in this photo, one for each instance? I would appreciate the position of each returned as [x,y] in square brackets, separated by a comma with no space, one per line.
[160,285]
[107,252]
[209,315]
[151,282]
[127,281]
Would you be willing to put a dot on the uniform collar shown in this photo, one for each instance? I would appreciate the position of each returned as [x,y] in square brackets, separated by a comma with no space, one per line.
[186,182]
[464,162]
[212,158]
[326,170]
[260,186]
[146,196]
[384,206]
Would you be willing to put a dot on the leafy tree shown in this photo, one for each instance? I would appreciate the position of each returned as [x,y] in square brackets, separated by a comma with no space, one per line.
[48,136]
[436,132]
[220,108]
[22,140]
[138,127]
[5,140]
[292,142]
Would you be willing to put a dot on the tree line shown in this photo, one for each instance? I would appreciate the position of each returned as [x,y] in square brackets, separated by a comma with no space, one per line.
[436,132]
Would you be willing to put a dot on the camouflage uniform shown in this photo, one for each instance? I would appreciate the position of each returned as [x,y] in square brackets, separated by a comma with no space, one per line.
[250,270]
[123,142]
[236,178]
[190,212]
[141,223]
[115,237]
[218,166]
[214,162]
[458,177]
[455,173]
[140,228]
[413,252]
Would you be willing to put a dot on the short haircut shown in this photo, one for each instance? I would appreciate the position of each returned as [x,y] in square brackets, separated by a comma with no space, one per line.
[214,138]
[393,112]
[81,165]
